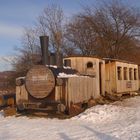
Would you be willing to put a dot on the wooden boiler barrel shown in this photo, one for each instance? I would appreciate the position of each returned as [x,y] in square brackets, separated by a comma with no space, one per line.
[40,81]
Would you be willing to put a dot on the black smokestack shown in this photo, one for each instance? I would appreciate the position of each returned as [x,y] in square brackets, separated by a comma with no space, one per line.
[44,41]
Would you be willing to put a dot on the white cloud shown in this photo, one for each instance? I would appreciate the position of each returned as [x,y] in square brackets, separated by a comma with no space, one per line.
[5,62]
[7,59]
[11,31]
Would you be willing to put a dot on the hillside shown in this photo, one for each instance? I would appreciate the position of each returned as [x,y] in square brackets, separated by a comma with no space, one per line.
[5,85]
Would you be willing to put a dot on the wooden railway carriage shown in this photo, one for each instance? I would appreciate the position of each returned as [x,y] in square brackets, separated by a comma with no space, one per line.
[121,76]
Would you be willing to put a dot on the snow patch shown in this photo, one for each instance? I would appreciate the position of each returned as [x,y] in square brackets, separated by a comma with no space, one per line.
[1,114]
[117,121]
[103,114]
[64,75]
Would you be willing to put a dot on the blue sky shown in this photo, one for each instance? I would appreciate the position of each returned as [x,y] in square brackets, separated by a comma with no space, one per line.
[16,14]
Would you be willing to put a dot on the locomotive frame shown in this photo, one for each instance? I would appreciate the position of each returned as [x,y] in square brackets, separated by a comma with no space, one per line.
[72,90]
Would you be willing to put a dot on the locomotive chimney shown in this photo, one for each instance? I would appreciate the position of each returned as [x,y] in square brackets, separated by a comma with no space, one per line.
[44,41]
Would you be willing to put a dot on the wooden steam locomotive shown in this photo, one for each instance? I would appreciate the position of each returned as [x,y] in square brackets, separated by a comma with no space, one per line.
[76,85]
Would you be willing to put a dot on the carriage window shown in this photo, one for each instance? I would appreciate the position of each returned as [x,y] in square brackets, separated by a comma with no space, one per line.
[119,71]
[125,73]
[130,74]
[89,65]
[67,63]
[135,74]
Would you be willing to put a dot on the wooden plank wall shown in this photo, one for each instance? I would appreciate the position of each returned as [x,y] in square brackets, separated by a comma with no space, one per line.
[21,93]
[80,64]
[58,93]
[81,89]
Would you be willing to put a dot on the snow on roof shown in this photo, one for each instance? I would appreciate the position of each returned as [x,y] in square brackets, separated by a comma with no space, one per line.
[54,66]
[66,67]
[64,75]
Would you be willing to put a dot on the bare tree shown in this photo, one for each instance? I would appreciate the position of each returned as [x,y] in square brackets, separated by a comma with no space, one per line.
[83,37]
[116,26]
[30,41]
[29,54]
[51,22]
[107,31]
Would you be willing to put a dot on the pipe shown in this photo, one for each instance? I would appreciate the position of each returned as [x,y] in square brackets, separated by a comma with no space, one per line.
[44,41]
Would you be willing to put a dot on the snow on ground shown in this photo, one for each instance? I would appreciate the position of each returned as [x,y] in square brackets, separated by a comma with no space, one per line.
[117,121]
